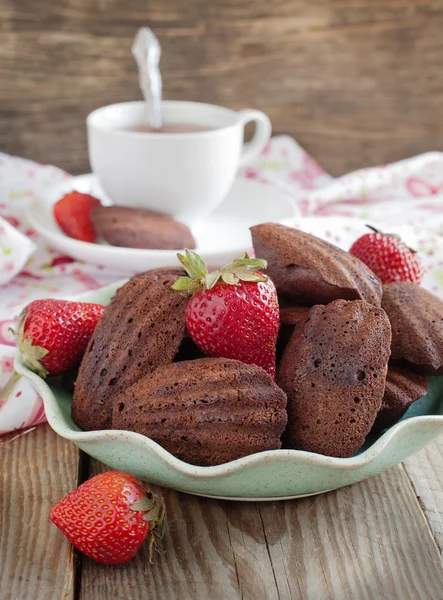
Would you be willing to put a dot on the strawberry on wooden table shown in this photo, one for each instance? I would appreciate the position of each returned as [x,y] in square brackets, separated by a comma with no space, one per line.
[109,516]
[233,312]
[52,335]
[388,257]
[73,215]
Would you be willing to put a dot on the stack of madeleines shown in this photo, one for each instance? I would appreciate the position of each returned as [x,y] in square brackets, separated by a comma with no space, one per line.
[352,357]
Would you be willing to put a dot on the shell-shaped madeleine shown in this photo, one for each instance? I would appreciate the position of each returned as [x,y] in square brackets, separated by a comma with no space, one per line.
[333,371]
[140,330]
[206,411]
[416,317]
[311,271]
[403,387]
[137,228]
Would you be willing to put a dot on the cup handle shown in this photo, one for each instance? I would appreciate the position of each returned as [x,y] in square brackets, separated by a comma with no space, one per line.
[261,136]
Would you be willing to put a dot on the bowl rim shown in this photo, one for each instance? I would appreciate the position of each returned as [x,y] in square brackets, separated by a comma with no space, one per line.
[54,416]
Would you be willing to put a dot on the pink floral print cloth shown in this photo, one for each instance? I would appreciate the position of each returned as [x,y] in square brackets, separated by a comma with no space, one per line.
[405,197]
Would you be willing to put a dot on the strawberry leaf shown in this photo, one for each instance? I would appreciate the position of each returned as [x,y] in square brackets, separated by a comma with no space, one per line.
[155,517]
[193,264]
[212,278]
[195,286]
[246,275]
[244,269]
[32,356]
[144,504]
[230,278]
[256,263]
[182,284]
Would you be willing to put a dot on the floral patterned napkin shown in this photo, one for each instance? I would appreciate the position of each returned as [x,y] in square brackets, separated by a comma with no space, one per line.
[405,197]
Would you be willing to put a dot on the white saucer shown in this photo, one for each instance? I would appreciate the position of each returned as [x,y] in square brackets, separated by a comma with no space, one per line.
[223,235]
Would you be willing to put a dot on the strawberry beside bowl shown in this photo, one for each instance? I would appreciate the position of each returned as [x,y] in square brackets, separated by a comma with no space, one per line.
[271,475]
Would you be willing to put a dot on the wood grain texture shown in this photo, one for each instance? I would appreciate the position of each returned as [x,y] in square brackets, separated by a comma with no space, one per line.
[425,470]
[364,542]
[36,561]
[356,82]
[367,541]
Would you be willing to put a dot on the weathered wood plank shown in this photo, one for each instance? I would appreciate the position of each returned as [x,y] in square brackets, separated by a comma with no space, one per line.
[425,470]
[37,469]
[365,542]
[357,83]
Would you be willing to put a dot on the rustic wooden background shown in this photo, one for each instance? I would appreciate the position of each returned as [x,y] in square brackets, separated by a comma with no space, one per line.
[357,82]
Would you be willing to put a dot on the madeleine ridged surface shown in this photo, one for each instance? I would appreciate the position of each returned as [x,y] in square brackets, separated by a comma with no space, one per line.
[206,411]
[403,387]
[140,330]
[311,271]
[416,317]
[333,371]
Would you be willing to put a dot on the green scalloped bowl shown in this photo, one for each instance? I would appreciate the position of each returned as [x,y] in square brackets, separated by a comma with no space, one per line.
[271,475]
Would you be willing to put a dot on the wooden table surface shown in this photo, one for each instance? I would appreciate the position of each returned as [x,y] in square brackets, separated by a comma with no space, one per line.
[381,539]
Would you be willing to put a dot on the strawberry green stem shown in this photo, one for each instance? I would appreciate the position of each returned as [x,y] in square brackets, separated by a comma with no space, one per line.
[155,516]
[241,269]
[392,235]
[31,354]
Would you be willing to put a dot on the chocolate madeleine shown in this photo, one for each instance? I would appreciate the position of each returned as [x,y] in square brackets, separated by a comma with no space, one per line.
[206,411]
[137,228]
[309,270]
[333,371]
[416,317]
[140,330]
[403,387]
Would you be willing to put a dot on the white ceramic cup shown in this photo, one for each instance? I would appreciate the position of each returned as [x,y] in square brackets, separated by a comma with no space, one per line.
[185,175]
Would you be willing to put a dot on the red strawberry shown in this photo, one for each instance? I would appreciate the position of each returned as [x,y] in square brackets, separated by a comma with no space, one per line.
[109,516]
[73,214]
[388,257]
[233,312]
[52,335]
